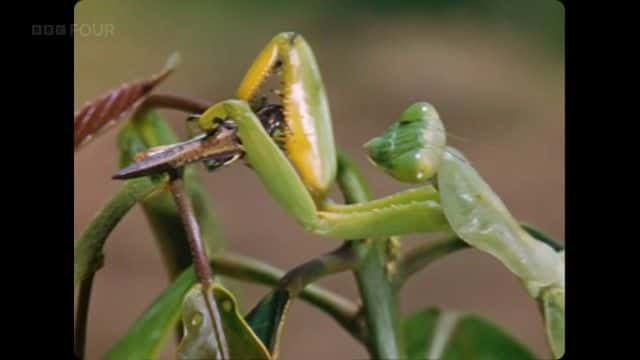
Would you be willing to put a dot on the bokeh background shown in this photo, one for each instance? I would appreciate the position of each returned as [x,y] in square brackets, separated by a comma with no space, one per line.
[494,69]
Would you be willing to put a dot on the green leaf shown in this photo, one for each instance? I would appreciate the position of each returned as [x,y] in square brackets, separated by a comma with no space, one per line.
[436,334]
[88,249]
[199,341]
[266,318]
[150,130]
[145,337]
[542,236]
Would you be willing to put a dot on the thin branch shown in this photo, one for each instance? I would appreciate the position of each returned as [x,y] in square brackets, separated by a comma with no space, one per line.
[173,102]
[418,258]
[88,248]
[380,300]
[252,270]
[200,260]
[198,253]
[82,312]
[341,259]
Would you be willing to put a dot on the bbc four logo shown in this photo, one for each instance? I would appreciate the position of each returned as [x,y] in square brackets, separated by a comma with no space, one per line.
[84,30]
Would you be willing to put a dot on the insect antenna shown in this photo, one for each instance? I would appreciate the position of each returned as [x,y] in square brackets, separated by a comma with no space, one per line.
[468,140]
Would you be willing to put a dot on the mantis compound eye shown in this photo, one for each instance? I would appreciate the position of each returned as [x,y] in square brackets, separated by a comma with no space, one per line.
[411,149]
[420,111]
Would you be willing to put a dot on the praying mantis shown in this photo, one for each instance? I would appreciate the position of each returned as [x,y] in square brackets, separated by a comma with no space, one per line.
[295,157]
[290,147]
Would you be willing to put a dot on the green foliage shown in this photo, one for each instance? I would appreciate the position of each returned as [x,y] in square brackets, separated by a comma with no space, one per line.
[145,337]
[88,249]
[456,200]
[198,341]
[436,334]
[375,281]
[267,317]
[378,268]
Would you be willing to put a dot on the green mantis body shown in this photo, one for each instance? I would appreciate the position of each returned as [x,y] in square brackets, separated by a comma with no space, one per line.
[296,160]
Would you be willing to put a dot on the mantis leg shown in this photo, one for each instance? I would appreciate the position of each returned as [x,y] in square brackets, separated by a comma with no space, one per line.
[268,161]
[309,141]
[414,211]
[407,197]
[416,217]
[192,131]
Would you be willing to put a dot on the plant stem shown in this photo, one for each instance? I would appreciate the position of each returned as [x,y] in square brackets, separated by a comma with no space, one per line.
[187,215]
[82,315]
[88,248]
[380,302]
[341,259]
[200,260]
[379,294]
[421,256]
[169,101]
[251,270]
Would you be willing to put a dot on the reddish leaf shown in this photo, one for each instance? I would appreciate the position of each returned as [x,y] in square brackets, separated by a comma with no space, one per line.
[105,111]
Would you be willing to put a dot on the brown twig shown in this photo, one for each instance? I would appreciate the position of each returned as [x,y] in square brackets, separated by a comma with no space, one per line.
[200,259]
[174,102]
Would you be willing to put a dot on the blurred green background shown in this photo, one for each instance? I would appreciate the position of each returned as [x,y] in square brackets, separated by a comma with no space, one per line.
[494,69]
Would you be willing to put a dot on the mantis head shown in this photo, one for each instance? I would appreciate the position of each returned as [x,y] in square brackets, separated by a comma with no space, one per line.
[411,149]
